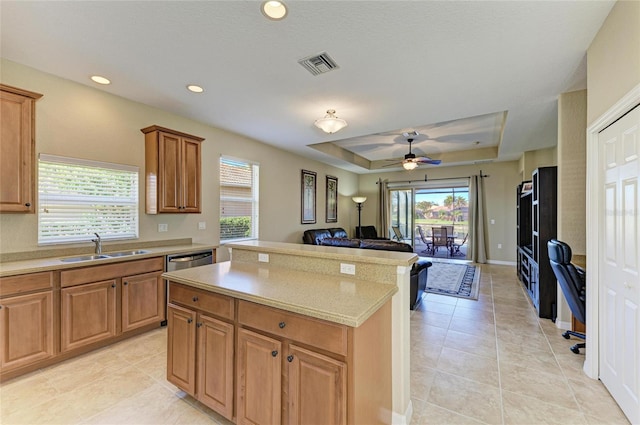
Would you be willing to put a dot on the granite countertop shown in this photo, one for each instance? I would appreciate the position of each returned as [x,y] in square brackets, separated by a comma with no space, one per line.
[395,258]
[12,268]
[337,299]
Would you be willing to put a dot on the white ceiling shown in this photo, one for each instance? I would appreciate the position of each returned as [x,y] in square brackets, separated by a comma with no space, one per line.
[403,65]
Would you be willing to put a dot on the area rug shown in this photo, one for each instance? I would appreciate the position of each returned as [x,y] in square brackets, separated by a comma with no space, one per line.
[456,280]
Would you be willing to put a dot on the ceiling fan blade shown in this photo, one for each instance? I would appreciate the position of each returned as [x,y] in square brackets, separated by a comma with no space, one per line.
[427,160]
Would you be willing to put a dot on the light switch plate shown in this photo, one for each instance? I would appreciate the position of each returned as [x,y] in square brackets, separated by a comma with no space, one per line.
[263,258]
[163,227]
[347,268]
[202,225]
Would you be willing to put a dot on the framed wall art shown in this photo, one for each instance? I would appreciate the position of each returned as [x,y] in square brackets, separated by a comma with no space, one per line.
[332,199]
[308,186]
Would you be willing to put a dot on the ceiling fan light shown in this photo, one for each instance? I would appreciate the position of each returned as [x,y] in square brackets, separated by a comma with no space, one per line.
[409,165]
[330,123]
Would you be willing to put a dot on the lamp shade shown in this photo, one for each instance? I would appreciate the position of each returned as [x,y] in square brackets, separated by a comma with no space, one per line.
[330,123]
[409,165]
[359,199]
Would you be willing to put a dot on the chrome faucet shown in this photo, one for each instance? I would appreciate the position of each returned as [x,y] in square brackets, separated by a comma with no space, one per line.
[98,243]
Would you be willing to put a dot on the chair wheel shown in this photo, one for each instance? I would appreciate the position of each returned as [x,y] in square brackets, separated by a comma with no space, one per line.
[575,350]
[566,335]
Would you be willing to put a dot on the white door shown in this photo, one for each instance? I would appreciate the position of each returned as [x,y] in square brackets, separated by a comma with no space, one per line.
[619,277]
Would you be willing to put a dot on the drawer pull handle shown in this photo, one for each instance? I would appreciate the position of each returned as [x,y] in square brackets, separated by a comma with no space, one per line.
[274,353]
[189,320]
[289,358]
[195,299]
[28,204]
[282,325]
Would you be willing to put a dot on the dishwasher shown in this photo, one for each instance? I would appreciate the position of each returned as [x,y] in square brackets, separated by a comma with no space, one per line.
[185,260]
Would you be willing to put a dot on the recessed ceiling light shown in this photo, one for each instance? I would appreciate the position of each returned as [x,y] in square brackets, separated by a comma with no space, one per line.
[275,10]
[100,80]
[194,88]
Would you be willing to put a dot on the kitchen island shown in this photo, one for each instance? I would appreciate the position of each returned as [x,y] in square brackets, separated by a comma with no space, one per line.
[280,335]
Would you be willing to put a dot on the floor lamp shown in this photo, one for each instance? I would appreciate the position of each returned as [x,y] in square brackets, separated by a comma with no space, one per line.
[359,200]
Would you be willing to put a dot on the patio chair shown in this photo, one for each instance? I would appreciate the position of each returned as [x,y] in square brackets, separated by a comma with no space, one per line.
[439,238]
[457,246]
[397,233]
[426,241]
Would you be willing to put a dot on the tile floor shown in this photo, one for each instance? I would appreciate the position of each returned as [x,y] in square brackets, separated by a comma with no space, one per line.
[487,361]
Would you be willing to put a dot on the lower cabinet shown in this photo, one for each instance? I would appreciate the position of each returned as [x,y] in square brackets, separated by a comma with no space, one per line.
[200,347]
[88,314]
[98,303]
[26,329]
[259,379]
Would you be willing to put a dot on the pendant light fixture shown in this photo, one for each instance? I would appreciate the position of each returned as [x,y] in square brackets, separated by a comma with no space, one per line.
[330,123]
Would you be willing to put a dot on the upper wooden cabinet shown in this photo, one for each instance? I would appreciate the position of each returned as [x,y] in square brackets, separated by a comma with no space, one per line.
[172,161]
[17,149]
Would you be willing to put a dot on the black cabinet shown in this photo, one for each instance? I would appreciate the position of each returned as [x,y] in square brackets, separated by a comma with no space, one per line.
[536,225]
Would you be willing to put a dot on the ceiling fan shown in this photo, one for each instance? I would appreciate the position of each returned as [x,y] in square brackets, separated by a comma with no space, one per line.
[411,161]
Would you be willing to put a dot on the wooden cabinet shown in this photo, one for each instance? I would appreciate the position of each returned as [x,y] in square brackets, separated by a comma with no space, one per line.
[99,303]
[198,341]
[259,379]
[88,314]
[26,320]
[536,225]
[314,388]
[17,149]
[143,300]
[173,171]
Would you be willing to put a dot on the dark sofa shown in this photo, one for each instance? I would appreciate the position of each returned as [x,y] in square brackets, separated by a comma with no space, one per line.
[338,237]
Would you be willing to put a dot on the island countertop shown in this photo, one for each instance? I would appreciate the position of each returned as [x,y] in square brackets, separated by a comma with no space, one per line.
[337,299]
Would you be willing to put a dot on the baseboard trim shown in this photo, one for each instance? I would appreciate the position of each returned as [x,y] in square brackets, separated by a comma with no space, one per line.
[399,419]
[502,263]
[563,325]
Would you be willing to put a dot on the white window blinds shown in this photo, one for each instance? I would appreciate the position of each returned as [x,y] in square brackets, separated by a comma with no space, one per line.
[78,198]
[238,199]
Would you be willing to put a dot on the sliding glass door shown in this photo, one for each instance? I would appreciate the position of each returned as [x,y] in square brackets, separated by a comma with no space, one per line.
[401,215]
[443,207]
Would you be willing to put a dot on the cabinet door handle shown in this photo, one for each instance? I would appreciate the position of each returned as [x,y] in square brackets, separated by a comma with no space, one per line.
[274,353]
[189,320]
[28,204]
[125,283]
[290,358]
[282,325]
[113,285]
[195,299]
[198,324]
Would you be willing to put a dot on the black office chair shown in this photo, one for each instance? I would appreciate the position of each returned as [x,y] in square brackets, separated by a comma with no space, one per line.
[572,281]
[366,232]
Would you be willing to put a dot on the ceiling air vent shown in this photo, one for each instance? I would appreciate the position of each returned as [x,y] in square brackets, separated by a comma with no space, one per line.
[318,64]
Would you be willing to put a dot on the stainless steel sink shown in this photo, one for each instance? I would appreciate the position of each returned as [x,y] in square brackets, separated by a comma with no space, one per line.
[102,256]
[125,253]
[83,258]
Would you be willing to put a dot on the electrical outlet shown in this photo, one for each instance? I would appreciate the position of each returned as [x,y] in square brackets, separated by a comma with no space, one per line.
[163,227]
[202,225]
[263,258]
[493,221]
[347,268]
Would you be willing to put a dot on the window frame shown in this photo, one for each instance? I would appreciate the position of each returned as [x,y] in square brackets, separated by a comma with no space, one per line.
[255,197]
[122,203]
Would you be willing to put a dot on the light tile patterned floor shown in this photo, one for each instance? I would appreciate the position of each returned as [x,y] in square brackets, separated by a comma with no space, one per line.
[487,361]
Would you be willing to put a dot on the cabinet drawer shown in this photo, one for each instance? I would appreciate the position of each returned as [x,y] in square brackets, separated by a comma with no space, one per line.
[110,271]
[328,336]
[220,305]
[13,285]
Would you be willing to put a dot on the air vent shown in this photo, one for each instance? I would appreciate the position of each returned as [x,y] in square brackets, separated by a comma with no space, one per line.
[318,64]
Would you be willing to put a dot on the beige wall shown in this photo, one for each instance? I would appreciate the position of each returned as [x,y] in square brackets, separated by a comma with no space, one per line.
[572,166]
[531,160]
[613,59]
[500,191]
[80,121]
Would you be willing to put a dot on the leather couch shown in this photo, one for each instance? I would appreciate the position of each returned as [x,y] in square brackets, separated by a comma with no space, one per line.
[338,237]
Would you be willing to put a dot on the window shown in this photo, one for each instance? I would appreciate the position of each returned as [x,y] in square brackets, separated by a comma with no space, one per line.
[78,198]
[238,199]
